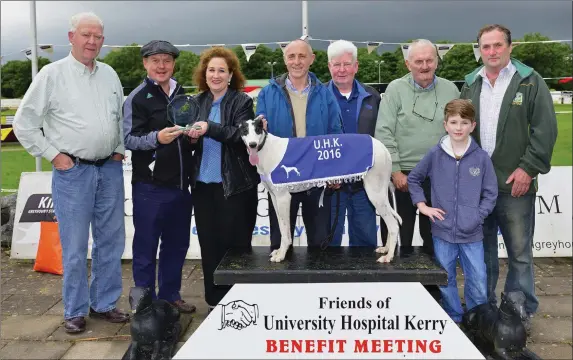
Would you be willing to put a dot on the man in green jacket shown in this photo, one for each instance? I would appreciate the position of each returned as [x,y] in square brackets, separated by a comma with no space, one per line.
[517,126]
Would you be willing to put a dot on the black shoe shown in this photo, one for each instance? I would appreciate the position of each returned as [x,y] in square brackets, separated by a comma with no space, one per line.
[113,316]
[184,307]
[75,325]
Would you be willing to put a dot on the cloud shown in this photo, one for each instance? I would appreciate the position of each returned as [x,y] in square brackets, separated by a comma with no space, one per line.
[236,22]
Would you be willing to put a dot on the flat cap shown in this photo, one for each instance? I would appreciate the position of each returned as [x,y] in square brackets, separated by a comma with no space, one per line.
[159,47]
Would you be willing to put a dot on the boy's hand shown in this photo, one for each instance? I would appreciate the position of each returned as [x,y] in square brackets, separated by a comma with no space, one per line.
[431,212]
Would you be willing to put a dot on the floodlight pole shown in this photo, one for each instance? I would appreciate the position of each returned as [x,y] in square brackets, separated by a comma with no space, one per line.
[34,59]
[305,19]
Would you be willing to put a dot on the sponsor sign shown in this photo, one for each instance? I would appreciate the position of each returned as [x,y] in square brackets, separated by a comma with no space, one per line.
[553,213]
[328,321]
[38,207]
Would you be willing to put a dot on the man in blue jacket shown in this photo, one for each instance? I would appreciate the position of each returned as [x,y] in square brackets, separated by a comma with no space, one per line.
[297,104]
[359,108]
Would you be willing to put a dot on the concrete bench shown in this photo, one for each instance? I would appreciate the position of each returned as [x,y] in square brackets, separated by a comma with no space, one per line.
[334,264]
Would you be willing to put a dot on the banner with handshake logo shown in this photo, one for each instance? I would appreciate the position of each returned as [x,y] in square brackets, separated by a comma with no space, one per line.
[238,314]
[328,321]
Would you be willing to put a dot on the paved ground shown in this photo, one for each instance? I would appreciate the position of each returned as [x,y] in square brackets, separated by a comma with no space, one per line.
[32,314]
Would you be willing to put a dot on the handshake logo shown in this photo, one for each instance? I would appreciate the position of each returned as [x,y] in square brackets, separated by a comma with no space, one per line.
[238,314]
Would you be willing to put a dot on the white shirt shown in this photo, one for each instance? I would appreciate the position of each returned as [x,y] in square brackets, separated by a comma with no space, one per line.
[172,85]
[490,101]
[79,111]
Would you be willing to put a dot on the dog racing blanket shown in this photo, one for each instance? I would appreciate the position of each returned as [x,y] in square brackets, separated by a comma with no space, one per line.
[315,160]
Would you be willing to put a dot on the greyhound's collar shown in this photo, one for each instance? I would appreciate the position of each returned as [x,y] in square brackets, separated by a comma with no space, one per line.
[263,142]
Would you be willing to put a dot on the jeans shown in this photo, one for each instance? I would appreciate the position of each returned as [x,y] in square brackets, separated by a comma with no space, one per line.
[361,219]
[473,266]
[515,217]
[87,195]
[160,212]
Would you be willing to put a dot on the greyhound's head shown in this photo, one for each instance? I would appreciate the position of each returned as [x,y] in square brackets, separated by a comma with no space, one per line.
[140,298]
[254,136]
[513,303]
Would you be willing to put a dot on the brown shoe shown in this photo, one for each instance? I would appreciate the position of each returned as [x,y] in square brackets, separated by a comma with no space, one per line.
[75,325]
[183,307]
[113,316]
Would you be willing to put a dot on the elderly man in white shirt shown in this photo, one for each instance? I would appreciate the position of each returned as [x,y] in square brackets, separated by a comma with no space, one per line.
[71,116]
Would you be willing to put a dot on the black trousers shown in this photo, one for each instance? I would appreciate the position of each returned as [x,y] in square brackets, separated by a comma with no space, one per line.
[316,220]
[407,211]
[221,225]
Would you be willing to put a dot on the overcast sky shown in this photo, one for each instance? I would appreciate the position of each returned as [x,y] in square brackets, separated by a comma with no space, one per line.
[236,22]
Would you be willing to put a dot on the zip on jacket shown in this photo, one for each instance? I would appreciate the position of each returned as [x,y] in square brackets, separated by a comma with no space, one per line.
[144,116]
[527,116]
[471,198]
[177,88]
[323,115]
[285,93]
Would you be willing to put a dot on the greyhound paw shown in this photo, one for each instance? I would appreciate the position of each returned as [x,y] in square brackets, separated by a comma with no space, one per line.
[382,249]
[278,255]
[385,259]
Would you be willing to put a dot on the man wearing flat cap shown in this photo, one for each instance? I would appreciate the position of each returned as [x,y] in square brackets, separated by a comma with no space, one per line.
[161,165]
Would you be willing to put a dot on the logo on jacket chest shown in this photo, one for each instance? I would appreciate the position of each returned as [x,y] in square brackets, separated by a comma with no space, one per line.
[518,99]
[475,171]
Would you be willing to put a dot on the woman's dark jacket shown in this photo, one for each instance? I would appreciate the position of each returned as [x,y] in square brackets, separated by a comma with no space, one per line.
[237,173]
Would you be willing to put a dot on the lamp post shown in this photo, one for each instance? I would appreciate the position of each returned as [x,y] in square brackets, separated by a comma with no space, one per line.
[271,64]
[379,63]
[34,36]
[304,20]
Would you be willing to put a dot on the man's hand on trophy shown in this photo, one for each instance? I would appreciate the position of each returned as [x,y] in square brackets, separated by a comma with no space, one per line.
[252,309]
[168,134]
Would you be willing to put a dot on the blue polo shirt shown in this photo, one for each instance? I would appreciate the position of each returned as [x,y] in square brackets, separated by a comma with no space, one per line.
[348,108]
[210,170]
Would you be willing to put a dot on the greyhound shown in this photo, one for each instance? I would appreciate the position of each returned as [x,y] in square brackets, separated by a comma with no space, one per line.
[499,332]
[266,152]
[289,169]
[155,327]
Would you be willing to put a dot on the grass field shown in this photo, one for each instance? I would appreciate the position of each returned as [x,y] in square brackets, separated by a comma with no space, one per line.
[563,151]
[5,113]
[15,159]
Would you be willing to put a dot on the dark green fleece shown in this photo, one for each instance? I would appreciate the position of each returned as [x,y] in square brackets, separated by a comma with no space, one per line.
[527,125]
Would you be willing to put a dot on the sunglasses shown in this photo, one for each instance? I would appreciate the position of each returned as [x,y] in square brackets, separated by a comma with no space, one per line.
[426,115]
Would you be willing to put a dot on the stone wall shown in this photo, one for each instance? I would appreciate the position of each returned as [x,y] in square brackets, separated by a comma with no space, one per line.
[8,205]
